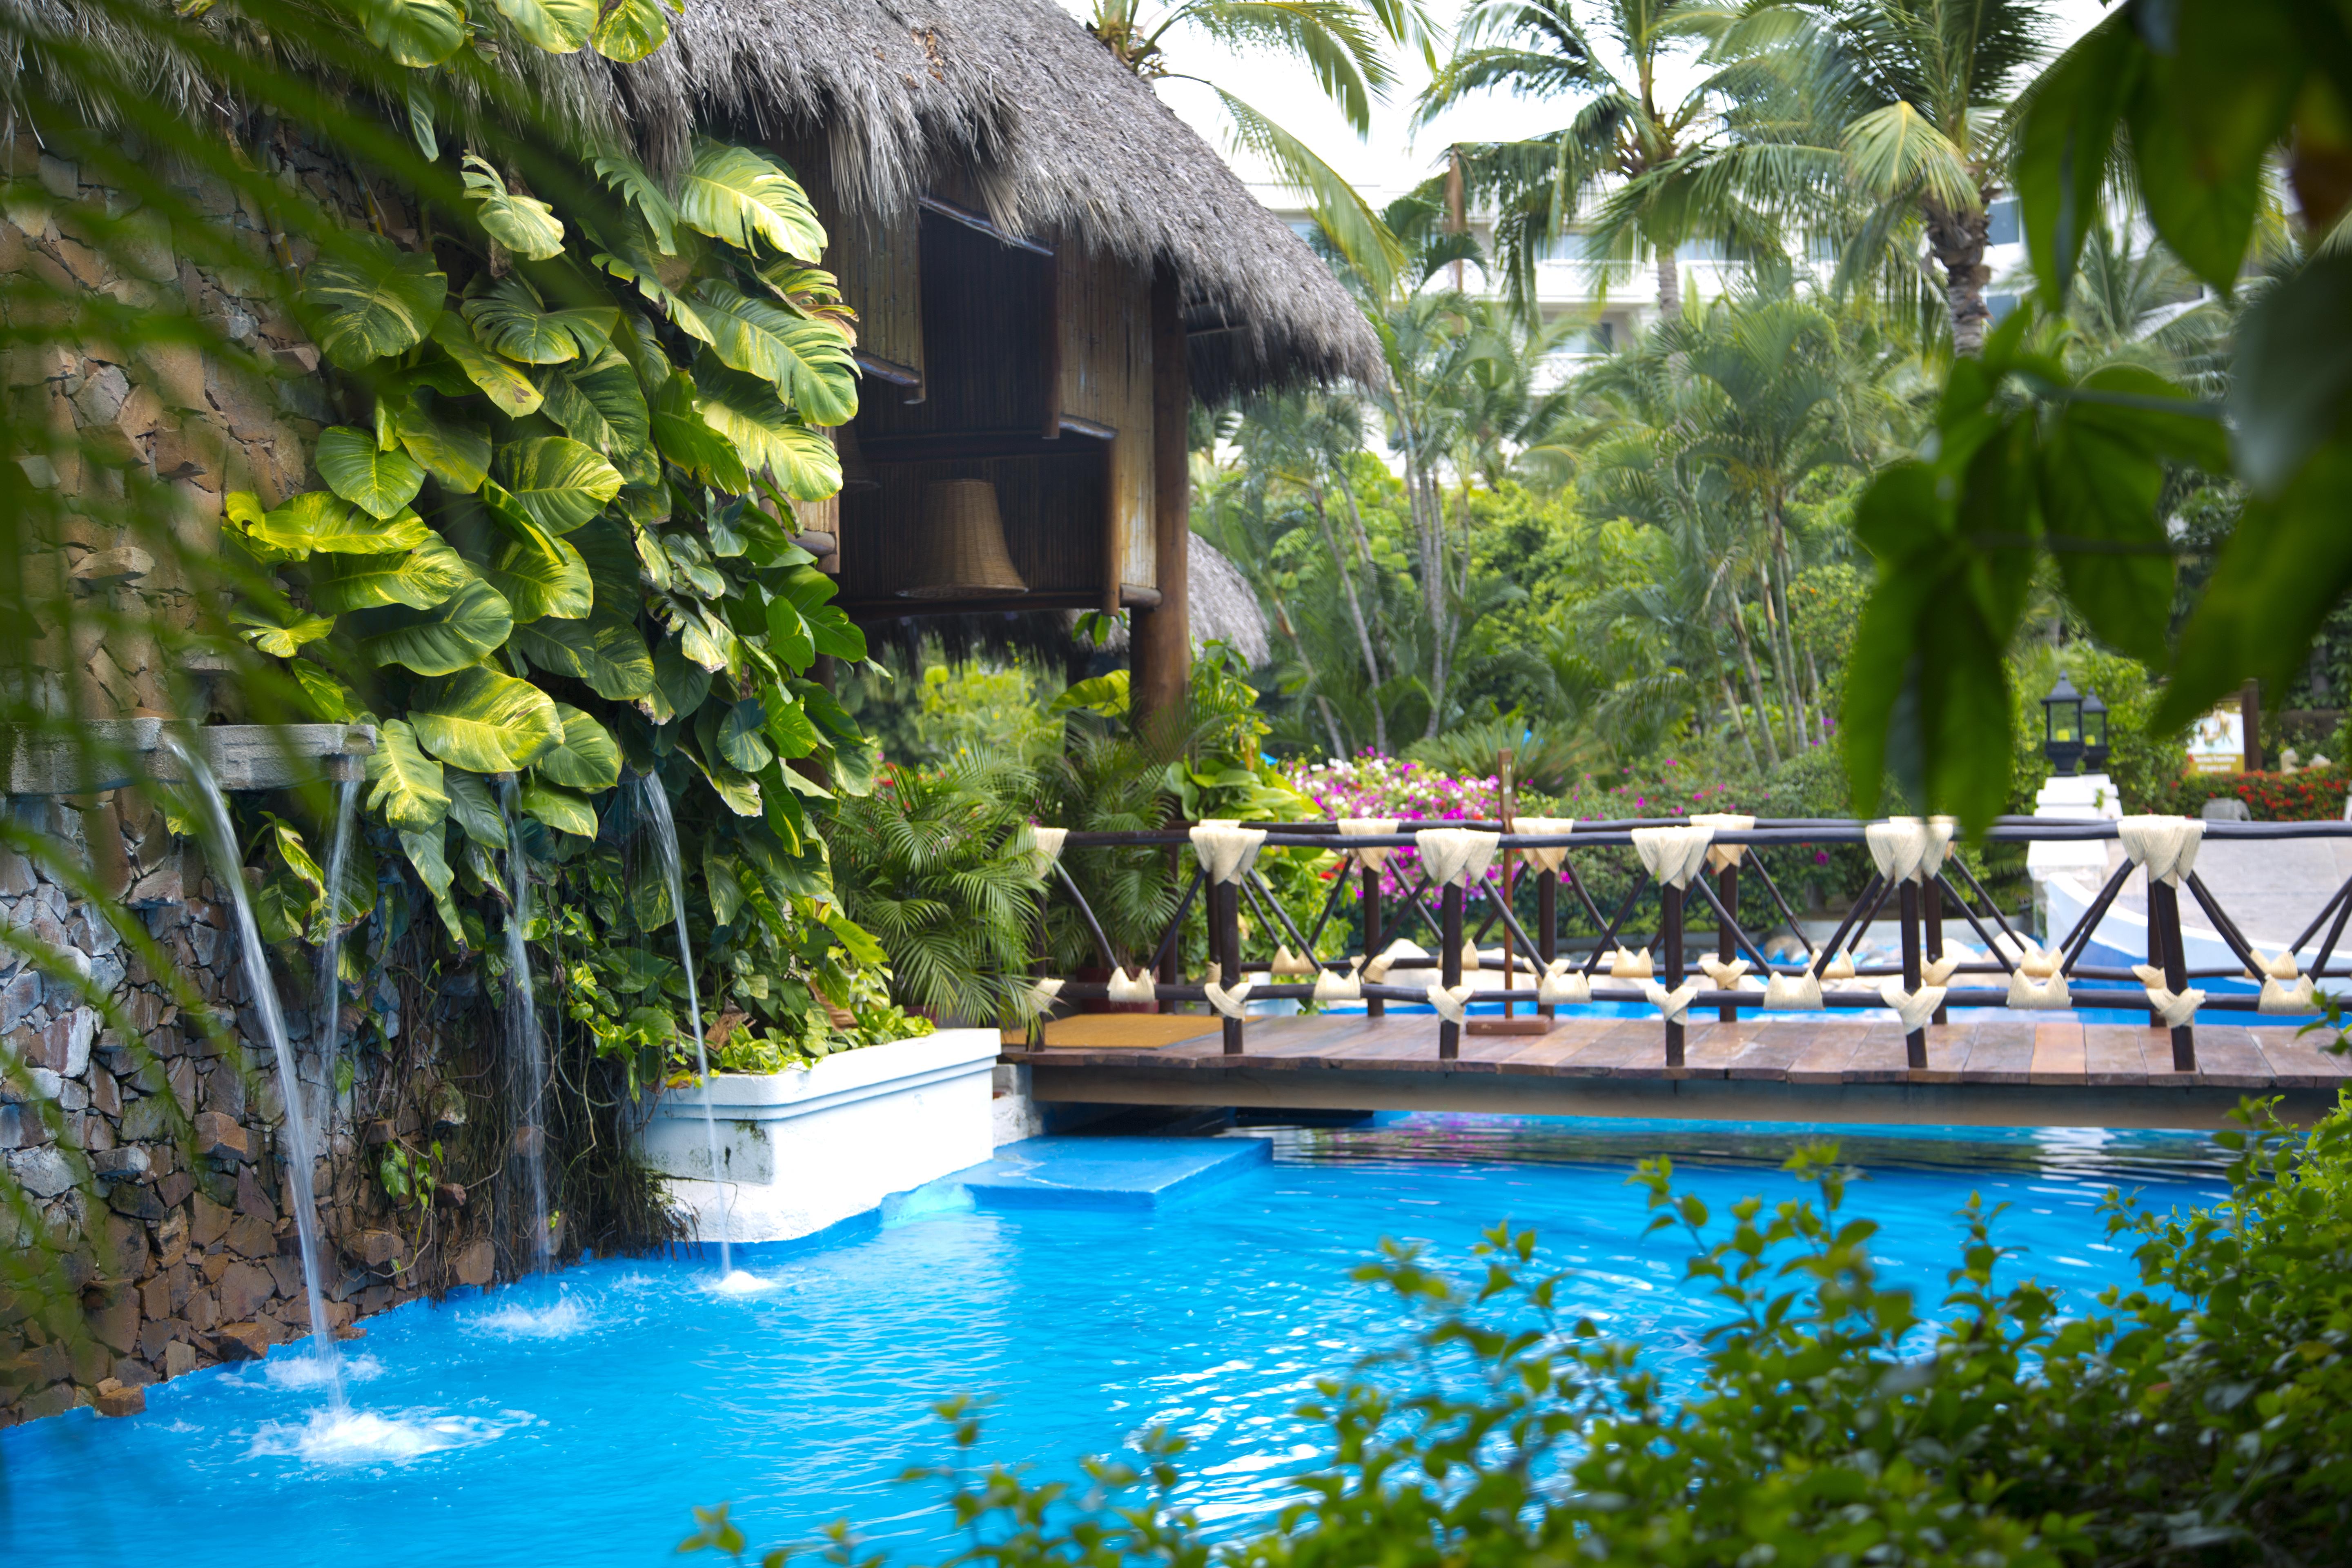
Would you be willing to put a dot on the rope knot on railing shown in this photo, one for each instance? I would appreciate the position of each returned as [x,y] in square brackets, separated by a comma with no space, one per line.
[1545,859]
[1563,984]
[1722,856]
[2163,847]
[2178,1011]
[1226,848]
[1672,855]
[1371,857]
[1455,855]
[1044,847]
[1906,849]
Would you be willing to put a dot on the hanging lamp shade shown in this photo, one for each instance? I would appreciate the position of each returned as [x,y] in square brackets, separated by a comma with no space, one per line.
[959,546]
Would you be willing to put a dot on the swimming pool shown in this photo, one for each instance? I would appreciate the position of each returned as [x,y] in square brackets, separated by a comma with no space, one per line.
[577,1421]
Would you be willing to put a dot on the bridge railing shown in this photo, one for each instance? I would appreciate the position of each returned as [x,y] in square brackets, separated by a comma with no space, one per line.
[1644,951]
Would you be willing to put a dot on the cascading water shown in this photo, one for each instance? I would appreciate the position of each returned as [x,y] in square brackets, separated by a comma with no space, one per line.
[657,808]
[228,868]
[328,1026]
[525,1049]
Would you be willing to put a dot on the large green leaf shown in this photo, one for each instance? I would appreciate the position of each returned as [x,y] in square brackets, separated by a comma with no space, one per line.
[2293,378]
[420,579]
[510,319]
[807,361]
[2064,143]
[558,482]
[612,555]
[485,721]
[378,482]
[473,810]
[415,32]
[600,405]
[524,225]
[740,741]
[559,26]
[279,630]
[558,808]
[372,298]
[459,631]
[745,410]
[652,203]
[457,454]
[743,197]
[679,684]
[501,381]
[631,30]
[604,651]
[320,522]
[836,635]
[427,852]
[540,574]
[587,757]
[686,436]
[330,700]
[403,783]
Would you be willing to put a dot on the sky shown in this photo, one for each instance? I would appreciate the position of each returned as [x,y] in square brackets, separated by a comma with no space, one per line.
[1395,156]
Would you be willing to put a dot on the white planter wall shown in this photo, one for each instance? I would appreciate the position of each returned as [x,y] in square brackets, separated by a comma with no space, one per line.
[806,1148]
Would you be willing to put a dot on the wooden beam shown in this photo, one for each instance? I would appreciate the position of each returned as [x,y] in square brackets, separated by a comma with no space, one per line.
[953,446]
[1160,646]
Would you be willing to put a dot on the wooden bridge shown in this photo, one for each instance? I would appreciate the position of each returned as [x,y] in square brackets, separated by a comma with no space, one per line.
[2021,1056]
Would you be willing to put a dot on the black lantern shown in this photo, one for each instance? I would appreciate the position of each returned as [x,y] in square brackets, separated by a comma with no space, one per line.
[2062,727]
[2094,731]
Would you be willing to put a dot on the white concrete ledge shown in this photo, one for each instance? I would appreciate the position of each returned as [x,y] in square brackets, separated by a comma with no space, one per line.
[806,1148]
[110,753]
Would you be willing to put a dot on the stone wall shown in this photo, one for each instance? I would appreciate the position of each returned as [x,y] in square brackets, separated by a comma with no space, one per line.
[148,1156]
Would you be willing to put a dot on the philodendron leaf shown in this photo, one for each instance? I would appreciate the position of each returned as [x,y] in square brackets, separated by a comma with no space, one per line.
[586,758]
[372,298]
[559,26]
[502,382]
[427,852]
[330,699]
[457,454]
[679,684]
[600,405]
[378,482]
[649,200]
[743,197]
[631,30]
[747,412]
[459,632]
[317,521]
[420,579]
[685,435]
[473,810]
[485,721]
[415,32]
[540,574]
[739,741]
[807,361]
[510,320]
[559,483]
[403,783]
[604,651]
[280,631]
[524,225]
[558,808]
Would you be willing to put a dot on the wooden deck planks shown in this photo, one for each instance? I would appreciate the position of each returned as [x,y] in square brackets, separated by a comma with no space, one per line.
[2122,1053]
[2302,1061]
[2058,1054]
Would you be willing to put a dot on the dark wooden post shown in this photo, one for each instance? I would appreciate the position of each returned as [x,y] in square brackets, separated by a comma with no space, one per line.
[2164,911]
[1915,1044]
[1373,1006]
[1670,937]
[1161,642]
[1727,890]
[1225,934]
[1931,899]
[1449,917]
[2156,957]
[1547,926]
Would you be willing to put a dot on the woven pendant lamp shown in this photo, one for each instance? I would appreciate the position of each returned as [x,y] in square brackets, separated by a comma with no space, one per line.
[959,548]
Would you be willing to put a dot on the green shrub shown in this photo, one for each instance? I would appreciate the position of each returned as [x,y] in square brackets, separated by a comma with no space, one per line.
[2205,1418]
[2315,795]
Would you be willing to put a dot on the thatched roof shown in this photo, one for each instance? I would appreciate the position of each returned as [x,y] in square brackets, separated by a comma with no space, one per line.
[1015,101]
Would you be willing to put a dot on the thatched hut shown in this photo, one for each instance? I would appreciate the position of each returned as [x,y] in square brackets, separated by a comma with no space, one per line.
[1048,265]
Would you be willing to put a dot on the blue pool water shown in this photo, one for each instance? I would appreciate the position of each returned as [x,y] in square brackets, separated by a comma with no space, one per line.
[579,1422]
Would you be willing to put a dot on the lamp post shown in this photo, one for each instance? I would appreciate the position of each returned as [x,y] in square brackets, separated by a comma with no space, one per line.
[2062,727]
[2095,733]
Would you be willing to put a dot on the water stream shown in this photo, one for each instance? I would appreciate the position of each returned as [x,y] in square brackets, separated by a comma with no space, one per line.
[657,808]
[525,1050]
[328,1026]
[228,869]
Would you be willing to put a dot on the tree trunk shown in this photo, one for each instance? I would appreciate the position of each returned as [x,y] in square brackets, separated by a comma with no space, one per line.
[1670,283]
[1784,668]
[1429,540]
[1820,703]
[1363,543]
[1355,615]
[1956,241]
[1739,720]
[1755,686]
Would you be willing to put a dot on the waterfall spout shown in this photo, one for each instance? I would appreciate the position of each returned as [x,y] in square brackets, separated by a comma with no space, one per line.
[228,868]
[656,806]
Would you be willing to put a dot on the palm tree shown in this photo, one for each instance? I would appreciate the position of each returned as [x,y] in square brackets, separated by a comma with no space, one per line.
[1917,95]
[1339,40]
[1686,165]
